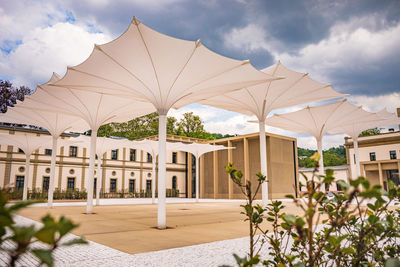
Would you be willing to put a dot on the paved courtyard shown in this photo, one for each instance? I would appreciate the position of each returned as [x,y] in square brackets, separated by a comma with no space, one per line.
[131,228]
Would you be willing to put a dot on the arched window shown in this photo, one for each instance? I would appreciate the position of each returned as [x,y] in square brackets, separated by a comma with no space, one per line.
[174,182]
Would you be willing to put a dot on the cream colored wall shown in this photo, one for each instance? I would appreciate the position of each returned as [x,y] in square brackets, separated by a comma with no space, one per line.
[75,163]
[381,152]
[338,174]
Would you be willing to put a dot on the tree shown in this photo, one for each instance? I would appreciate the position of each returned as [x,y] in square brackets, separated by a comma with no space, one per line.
[369,132]
[192,126]
[141,127]
[334,156]
[10,94]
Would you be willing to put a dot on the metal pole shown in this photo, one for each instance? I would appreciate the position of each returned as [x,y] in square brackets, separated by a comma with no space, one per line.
[357,157]
[153,179]
[197,178]
[321,157]
[98,180]
[89,204]
[263,162]
[52,172]
[162,140]
[26,180]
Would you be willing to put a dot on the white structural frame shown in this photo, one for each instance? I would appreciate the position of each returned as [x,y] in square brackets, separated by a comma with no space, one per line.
[259,100]
[146,65]
[28,143]
[318,121]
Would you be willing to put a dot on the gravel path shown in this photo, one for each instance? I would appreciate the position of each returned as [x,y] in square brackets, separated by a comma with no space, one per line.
[94,254]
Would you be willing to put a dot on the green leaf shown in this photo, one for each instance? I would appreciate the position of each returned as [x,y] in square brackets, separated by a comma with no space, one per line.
[46,235]
[289,218]
[75,242]
[392,262]
[44,255]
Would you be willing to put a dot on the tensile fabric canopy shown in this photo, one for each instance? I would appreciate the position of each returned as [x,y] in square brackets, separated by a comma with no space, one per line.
[94,108]
[143,64]
[28,143]
[367,121]
[55,122]
[259,100]
[318,121]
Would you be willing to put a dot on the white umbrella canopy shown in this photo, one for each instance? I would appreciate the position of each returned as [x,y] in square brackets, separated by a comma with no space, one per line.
[367,121]
[94,108]
[168,72]
[318,121]
[198,150]
[53,121]
[259,100]
[28,143]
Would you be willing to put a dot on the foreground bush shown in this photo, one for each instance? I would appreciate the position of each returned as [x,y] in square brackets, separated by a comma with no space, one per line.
[360,227]
[22,238]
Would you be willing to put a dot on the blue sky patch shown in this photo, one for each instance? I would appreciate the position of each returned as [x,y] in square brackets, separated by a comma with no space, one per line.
[8,46]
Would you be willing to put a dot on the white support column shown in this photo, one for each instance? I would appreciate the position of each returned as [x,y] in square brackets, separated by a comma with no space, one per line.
[197,178]
[162,140]
[357,157]
[26,178]
[153,179]
[263,162]
[52,172]
[321,157]
[98,179]
[89,204]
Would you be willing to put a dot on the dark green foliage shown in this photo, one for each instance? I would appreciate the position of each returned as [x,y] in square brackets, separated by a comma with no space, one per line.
[369,132]
[220,136]
[50,233]
[334,156]
[190,125]
[356,228]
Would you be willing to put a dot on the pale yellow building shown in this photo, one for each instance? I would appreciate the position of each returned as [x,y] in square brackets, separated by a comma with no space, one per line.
[379,157]
[129,170]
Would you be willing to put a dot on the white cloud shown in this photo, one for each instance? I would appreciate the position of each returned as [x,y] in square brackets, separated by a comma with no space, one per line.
[250,38]
[18,18]
[44,50]
[375,103]
[348,48]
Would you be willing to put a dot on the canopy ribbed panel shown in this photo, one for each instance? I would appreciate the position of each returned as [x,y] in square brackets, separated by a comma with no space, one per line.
[166,71]
[27,142]
[259,100]
[317,120]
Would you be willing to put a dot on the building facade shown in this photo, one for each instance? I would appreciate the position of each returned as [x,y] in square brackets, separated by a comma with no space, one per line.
[130,170]
[379,157]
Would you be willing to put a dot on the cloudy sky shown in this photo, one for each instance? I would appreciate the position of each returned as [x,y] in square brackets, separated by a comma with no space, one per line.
[353,45]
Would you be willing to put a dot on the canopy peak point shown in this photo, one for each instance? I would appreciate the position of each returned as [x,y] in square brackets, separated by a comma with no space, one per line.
[198,43]
[98,47]
[135,21]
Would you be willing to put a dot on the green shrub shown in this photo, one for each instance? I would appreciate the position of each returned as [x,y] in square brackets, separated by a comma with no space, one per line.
[50,233]
[356,228]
